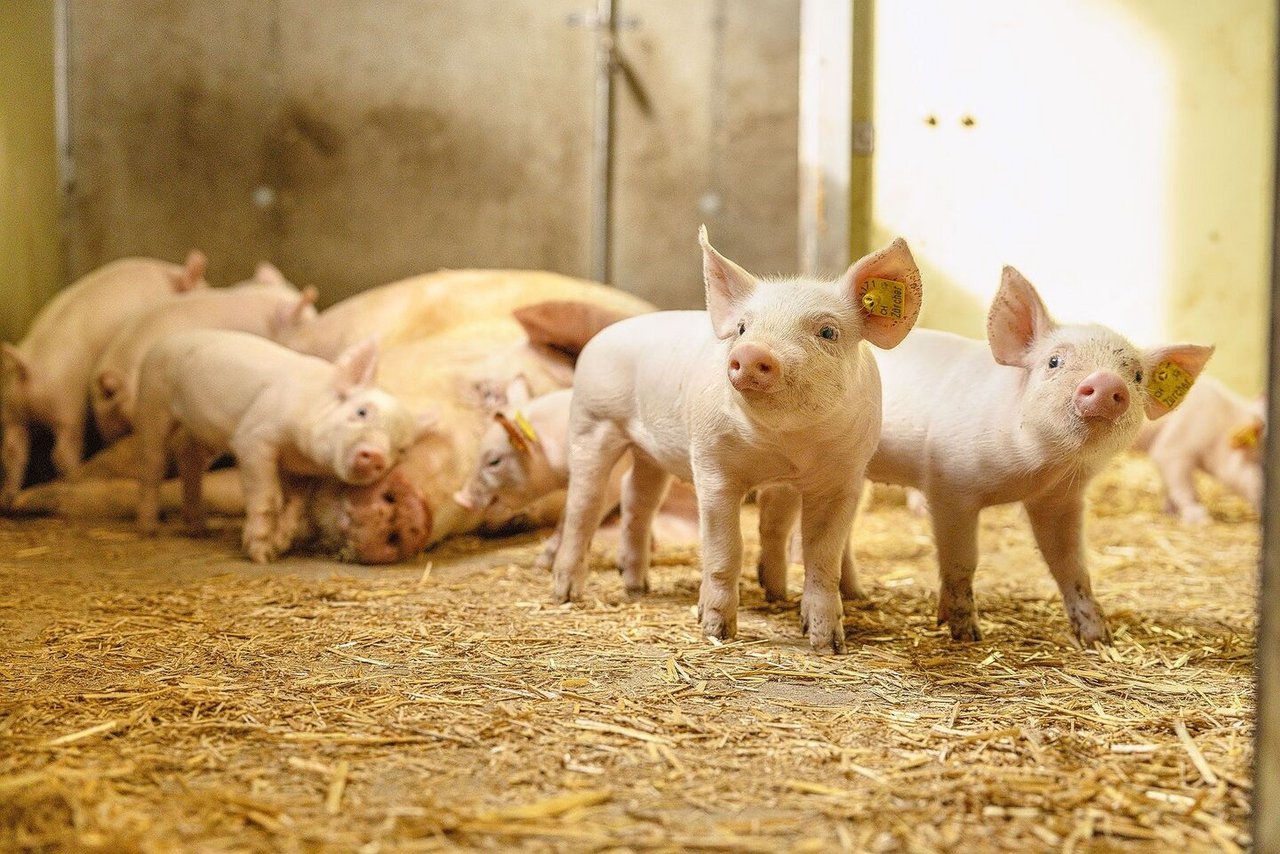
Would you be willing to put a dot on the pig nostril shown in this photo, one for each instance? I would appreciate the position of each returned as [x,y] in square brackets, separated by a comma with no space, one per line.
[735,365]
[1086,391]
[389,497]
[393,539]
[764,367]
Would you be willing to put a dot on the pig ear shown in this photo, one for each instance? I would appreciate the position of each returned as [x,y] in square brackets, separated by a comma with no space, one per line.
[356,367]
[13,357]
[564,325]
[109,383]
[269,274]
[288,316]
[728,287]
[886,287]
[1017,318]
[516,437]
[192,275]
[1166,387]
[518,392]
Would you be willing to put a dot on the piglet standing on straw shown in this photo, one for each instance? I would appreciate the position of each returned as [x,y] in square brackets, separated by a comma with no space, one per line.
[772,385]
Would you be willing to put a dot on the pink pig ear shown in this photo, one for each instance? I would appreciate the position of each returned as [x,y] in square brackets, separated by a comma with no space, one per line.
[268,274]
[885,286]
[1190,358]
[1017,318]
[14,358]
[356,367]
[192,275]
[728,287]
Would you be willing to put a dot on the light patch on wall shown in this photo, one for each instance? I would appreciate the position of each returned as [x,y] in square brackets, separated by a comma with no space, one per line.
[1036,135]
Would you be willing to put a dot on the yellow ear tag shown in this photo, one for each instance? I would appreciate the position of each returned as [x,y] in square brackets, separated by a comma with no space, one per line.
[884,298]
[1169,384]
[1246,436]
[525,427]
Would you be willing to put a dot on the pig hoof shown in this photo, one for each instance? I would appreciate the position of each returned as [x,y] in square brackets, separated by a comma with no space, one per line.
[1094,635]
[831,643]
[718,625]
[260,551]
[566,590]
[634,589]
[965,629]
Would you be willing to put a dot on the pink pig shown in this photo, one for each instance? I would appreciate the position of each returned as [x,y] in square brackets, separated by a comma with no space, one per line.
[43,378]
[266,305]
[771,385]
[1214,430]
[1034,425]
[276,410]
[524,458]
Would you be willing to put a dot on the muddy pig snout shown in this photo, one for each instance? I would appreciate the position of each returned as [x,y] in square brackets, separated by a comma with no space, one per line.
[389,521]
[1102,394]
[753,368]
[368,462]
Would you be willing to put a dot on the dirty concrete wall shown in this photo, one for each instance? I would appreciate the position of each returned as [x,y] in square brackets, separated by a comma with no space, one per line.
[710,137]
[1118,152]
[353,143]
[30,264]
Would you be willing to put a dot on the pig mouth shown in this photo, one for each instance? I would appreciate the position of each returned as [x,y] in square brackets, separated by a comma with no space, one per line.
[387,522]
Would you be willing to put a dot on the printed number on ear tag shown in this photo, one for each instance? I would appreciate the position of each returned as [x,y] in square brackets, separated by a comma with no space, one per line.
[884,297]
[1169,384]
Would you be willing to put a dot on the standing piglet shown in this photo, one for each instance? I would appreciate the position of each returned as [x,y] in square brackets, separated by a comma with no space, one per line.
[43,378]
[266,305]
[1034,425]
[1214,430]
[524,457]
[276,410]
[771,385]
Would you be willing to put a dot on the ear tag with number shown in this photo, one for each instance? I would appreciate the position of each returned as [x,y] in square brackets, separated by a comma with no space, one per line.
[884,298]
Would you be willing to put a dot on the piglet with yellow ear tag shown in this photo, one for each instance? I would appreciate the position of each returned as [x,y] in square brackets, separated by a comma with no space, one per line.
[1213,430]
[523,458]
[1030,415]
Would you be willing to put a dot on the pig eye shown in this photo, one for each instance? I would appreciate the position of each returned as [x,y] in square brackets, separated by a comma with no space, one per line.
[829,333]
[362,412]
[492,461]
[1054,361]
[742,327]
[1137,378]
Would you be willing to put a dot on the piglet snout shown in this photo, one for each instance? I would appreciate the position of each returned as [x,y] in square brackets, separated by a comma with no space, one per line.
[753,368]
[369,463]
[1102,394]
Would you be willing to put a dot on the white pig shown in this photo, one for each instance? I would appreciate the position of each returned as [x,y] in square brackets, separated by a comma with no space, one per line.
[1034,425]
[1214,430]
[524,457]
[276,410]
[43,378]
[265,305]
[771,385]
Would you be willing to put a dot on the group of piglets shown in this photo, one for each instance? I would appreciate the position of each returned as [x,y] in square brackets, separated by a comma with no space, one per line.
[774,389]
[147,347]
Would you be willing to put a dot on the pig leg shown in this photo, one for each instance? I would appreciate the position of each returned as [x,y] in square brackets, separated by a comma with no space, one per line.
[825,522]
[155,423]
[547,557]
[1059,529]
[592,454]
[14,453]
[779,509]
[263,501]
[644,488]
[1178,473]
[193,460]
[68,446]
[292,514]
[720,525]
[955,532]
[850,589]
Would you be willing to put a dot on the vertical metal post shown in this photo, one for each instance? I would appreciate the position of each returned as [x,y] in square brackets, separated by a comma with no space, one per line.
[62,131]
[1266,769]
[826,134]
[602,143]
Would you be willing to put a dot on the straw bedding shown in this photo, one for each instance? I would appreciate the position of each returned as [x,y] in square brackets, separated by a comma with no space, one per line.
[166,695]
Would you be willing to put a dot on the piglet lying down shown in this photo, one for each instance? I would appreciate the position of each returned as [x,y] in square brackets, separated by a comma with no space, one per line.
[276,410]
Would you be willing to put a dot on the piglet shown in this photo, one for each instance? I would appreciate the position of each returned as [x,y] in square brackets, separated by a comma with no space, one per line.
[524,457]
[1033,424]
[265,305]
[277,411]
[43,378]
[773,384]
[1214,430]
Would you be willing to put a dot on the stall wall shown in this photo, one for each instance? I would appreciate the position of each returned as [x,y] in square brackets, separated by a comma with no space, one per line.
[1118,152]
[30,267]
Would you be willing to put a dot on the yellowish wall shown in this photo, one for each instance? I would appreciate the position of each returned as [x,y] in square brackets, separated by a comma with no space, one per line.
[30,266]
[1118,152]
